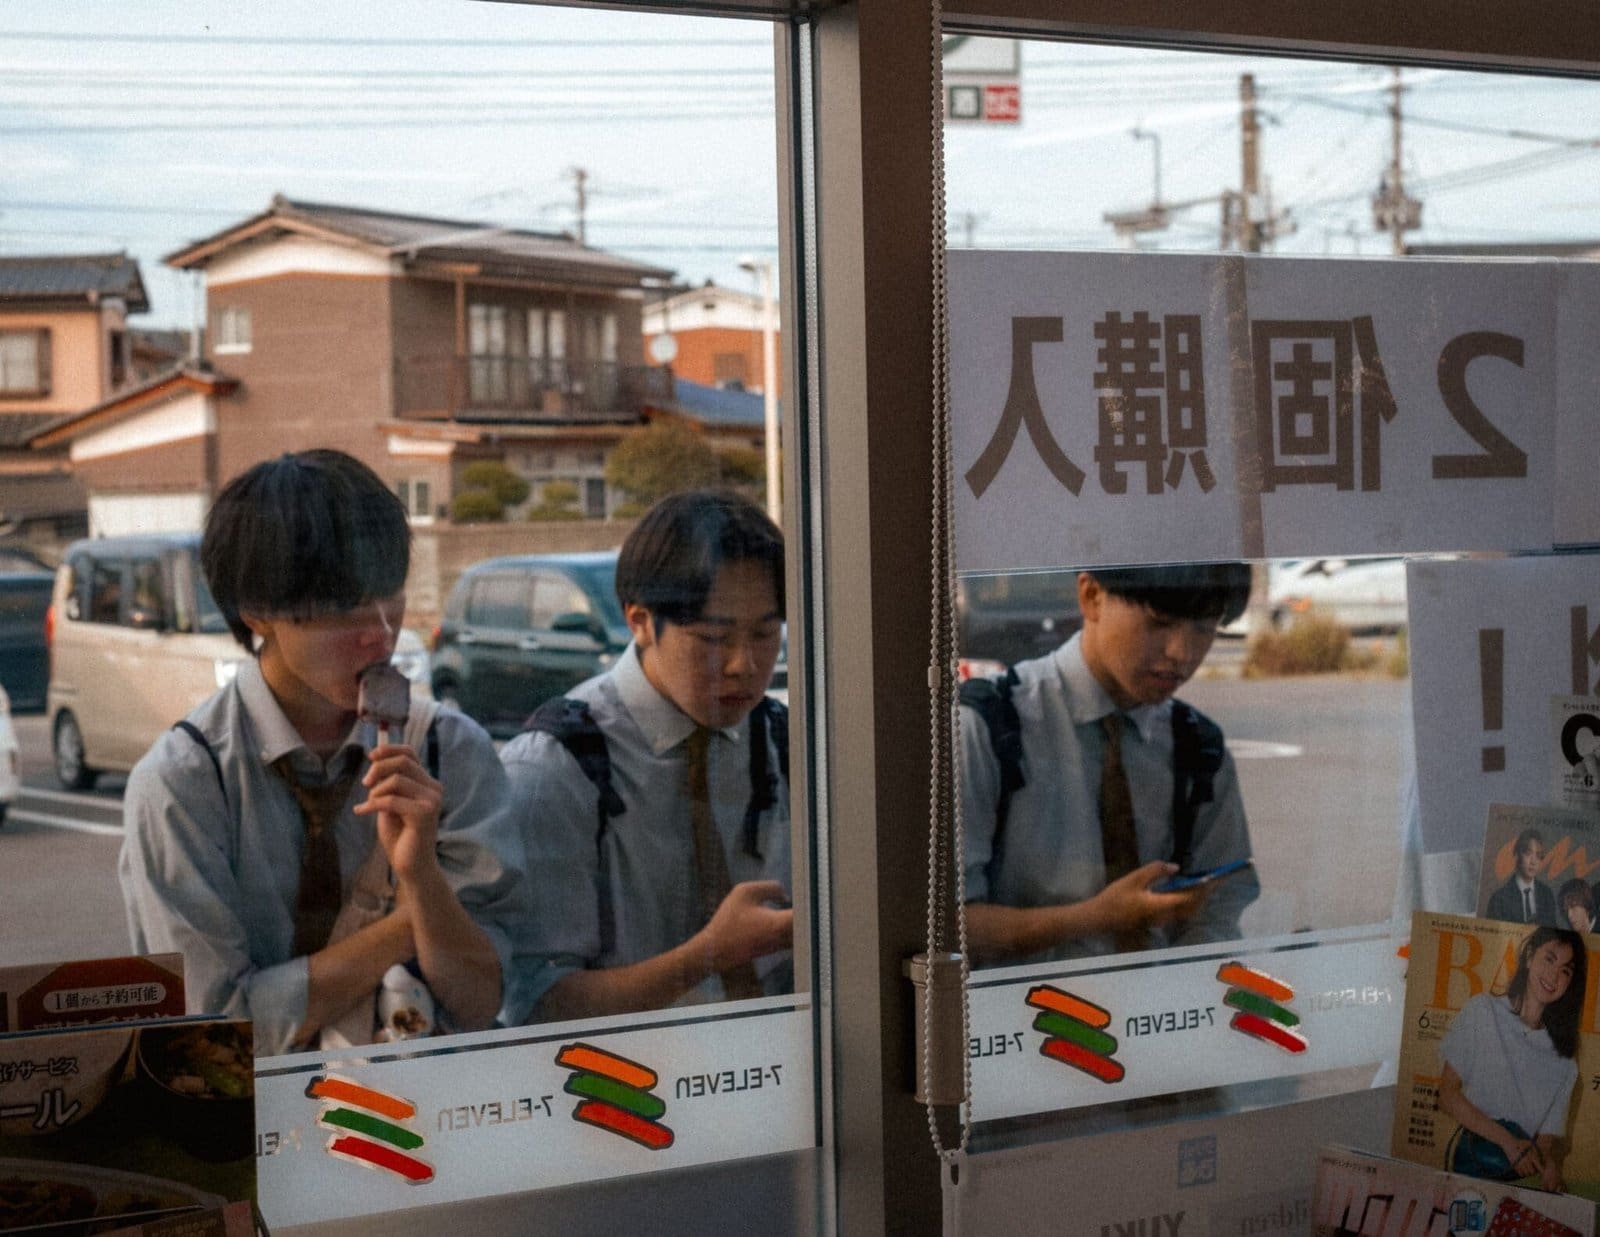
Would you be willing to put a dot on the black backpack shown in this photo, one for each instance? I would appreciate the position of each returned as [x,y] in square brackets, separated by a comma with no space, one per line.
[571,724]
[1197,752]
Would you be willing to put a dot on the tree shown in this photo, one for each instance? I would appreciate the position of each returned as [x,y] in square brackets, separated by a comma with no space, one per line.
[558,500]
[491,475]
[660,459]
[476,507]
[744,467]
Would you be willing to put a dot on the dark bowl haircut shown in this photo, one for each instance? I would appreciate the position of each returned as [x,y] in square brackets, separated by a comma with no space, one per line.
[1561,1017]
[670,560]
[1182,590]
[1576,890]
[1527,838]
[303,535]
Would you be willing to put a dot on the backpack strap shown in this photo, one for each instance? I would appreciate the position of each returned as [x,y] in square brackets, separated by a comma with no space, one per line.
[570,723]
[195,733]
[769,717]
[991,699]
[1198,749]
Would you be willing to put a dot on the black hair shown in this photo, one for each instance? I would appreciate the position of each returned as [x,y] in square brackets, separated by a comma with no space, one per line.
[1526,839]
[1561,1016]
[670,560]
[1576,890]
[1205,591]
[308,533]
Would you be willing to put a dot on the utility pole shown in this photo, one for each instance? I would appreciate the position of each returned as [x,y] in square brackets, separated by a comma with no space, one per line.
[1392,211]
[1247,210]
[580,177]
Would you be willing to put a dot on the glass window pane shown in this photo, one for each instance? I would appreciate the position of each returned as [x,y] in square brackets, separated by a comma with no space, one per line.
[1206,302]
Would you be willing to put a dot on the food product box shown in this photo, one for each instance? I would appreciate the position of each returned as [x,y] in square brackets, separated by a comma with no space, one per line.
[133,1121]
[60,994]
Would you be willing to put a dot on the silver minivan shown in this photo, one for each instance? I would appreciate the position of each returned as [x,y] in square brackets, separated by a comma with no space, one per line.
[135,642]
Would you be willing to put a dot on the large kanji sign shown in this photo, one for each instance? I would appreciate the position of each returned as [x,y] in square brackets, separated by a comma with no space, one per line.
[1153,407]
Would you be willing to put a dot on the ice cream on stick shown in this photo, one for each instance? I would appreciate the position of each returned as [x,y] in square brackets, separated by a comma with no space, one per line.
[385,699]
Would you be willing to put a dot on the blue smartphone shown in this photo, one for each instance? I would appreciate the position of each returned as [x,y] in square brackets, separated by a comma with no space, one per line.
[1180,881]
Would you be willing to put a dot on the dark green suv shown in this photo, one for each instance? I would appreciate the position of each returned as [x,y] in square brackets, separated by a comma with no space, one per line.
[521,629]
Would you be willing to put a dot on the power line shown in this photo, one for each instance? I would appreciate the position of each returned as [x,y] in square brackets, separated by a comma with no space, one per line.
[1454,126]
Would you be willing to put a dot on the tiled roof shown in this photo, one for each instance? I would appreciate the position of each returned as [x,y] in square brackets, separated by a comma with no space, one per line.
[17,427]
[718,405]
[73,277]
[429,238]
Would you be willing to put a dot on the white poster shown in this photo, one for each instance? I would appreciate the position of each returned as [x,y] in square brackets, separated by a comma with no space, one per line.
[1491,642]
[1126,408]
[1071,1035]
[1578,426]
[396,1126]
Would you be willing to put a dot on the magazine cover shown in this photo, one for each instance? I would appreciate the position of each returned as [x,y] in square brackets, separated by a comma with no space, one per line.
[127,1122]
[1499,1052]
[1575,752]
[1540,865]
[1358,1192]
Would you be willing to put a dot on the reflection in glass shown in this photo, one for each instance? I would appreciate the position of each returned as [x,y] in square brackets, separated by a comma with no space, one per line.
[1307,740]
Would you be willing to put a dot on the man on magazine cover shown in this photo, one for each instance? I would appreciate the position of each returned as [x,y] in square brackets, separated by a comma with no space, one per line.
[1524,898]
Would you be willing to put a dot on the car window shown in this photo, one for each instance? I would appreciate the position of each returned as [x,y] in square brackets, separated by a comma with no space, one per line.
[554,595]
[147,602]
[499,600]
[105,590]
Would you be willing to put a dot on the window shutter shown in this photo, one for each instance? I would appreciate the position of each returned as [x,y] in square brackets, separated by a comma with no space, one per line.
[44,361]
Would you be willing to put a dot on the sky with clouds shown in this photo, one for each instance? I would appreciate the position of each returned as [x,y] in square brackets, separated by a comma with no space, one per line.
[142,127]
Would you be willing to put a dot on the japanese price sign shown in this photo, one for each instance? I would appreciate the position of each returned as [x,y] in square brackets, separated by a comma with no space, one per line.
[1152,407]
[1493,644]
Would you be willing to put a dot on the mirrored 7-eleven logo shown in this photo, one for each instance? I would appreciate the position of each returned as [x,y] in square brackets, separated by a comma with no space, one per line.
[1075,1032]
[616,1095]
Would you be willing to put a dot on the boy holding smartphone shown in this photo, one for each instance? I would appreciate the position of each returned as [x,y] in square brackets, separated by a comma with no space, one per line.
[1086,786]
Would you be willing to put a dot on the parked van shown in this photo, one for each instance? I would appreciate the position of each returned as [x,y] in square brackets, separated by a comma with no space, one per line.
[136,642]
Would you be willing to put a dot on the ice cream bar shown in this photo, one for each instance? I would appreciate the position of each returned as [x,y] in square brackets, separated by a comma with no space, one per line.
[385,698]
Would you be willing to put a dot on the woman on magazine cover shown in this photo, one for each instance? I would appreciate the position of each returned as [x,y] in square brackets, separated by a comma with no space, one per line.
[1509,1064]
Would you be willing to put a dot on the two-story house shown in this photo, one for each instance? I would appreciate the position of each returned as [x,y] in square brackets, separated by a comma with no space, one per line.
[64,347]
[422,344]
[715,333]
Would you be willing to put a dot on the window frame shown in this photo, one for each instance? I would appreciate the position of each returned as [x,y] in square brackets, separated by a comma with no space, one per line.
[41,386]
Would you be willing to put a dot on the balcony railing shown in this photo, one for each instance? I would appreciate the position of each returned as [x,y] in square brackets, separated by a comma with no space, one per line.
[485,388]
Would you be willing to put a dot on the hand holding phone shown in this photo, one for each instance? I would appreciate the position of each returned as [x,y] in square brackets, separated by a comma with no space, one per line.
[1180,881]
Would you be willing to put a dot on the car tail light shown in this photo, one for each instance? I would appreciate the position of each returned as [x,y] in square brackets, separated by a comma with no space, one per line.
[433,637]
[49,626]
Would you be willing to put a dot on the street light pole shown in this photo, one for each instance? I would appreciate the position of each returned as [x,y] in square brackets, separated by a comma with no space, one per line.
[761,268]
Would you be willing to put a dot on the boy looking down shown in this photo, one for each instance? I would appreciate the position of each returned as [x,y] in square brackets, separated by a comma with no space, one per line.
[656,823]
[1110,786]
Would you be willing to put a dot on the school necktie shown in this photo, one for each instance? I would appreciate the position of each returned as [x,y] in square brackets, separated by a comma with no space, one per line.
[1527,906]
[321,891]
[710,861]
[1118,843]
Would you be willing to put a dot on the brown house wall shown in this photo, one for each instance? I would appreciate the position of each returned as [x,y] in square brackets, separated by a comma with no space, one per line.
[178,467]
[78,377]
[318,373]
[699,348]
